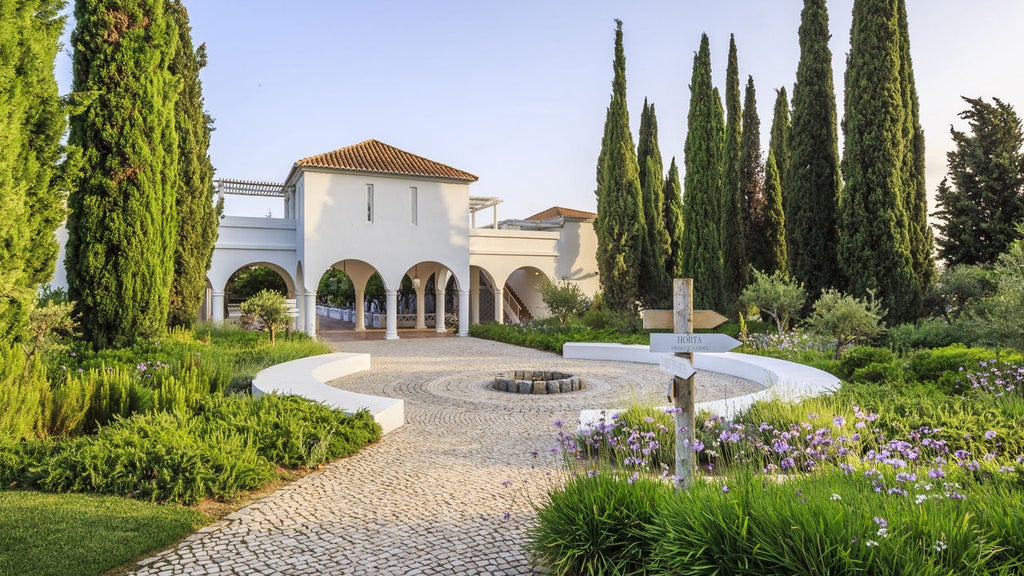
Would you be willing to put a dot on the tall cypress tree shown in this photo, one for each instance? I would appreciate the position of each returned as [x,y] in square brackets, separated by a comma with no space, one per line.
[194,199]
[701,242]
[734,247]
[811,187]
[673,212]
[620,216]
[752,183]
[874,248]
[922,241]
[774,220]
[31,124]
[654,286]
[121,228]
[778,142]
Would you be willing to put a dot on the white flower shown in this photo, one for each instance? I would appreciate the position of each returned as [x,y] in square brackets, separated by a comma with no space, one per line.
[883,532]
[836,497]
[871,543]
[940,546]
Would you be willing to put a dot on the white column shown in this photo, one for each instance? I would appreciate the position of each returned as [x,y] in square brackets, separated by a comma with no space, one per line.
[360,311]
[300,303]
[218,307]
[310,312]
[439,311]
[421,322]
[463,312]
[474,297]
[391,326]
[499,306]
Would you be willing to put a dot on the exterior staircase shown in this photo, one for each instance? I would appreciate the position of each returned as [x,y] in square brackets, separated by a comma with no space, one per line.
[516,311]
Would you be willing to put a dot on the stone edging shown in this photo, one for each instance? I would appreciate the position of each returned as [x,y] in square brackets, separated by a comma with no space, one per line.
[308,377]
[782,379]
[528,382]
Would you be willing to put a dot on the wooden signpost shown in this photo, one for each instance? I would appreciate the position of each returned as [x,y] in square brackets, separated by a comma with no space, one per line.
[676,343]
[665,319]
[683,319]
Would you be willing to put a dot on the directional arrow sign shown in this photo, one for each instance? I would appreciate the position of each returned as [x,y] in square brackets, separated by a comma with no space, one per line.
[677,366]
[692,343]
[702,319]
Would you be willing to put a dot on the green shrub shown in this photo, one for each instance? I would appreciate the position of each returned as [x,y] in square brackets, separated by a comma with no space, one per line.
[596,525]
[550,337]
[943,365]
[227,446]
[116,393]
[928,333]
[64,407]
[290,430]
[159,456]
[877,373]
[862,356]
[23,387]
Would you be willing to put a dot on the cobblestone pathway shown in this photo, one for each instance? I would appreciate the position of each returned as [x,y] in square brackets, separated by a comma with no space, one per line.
[428,498]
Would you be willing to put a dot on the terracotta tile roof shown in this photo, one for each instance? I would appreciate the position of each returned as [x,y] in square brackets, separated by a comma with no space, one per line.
[558,211]
[378,157]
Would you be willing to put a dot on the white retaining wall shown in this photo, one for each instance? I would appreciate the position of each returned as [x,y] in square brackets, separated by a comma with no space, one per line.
[784,380]
[307,377]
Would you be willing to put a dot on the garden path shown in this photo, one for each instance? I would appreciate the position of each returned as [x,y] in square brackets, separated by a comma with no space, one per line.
[428,498]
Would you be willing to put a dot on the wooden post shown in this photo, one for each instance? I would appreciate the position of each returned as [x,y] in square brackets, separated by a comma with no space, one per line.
[683,388]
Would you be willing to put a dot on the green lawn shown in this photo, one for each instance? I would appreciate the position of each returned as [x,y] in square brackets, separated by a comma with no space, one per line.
[74,534]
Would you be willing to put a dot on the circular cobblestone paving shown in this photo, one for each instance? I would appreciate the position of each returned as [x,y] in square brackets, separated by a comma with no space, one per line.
[429,497]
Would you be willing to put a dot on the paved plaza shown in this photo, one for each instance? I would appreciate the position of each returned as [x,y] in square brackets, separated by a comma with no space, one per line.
[428,498]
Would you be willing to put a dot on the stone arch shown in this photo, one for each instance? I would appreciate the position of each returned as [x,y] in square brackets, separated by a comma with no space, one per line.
[444,302]
[521,299]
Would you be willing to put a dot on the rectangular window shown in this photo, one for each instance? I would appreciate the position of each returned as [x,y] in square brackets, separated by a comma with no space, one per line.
[369,202]
[413,205]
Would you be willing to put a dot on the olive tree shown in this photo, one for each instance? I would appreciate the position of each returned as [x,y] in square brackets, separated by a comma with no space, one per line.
[564,299]
[269,309]
[845,318]
[776,295]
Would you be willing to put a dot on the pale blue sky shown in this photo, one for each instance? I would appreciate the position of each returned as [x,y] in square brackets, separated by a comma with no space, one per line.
[516,92]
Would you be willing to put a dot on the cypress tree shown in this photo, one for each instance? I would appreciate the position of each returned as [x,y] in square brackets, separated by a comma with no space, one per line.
[811,187]
[674,222]
[122,223]
[874,248]
[734,248]
[194,199]
[752,184]
[981,201]
[31,124]
[778,142]
[654,286]
[774,220]
[620,217]
[702,206]
[922,241]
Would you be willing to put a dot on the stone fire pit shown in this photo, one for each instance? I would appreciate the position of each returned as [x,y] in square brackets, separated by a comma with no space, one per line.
[538,382]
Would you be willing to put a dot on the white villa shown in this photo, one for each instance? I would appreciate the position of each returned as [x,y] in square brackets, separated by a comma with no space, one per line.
[371,208]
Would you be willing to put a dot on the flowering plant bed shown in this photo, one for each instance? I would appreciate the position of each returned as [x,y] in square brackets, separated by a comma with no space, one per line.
[881,478]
